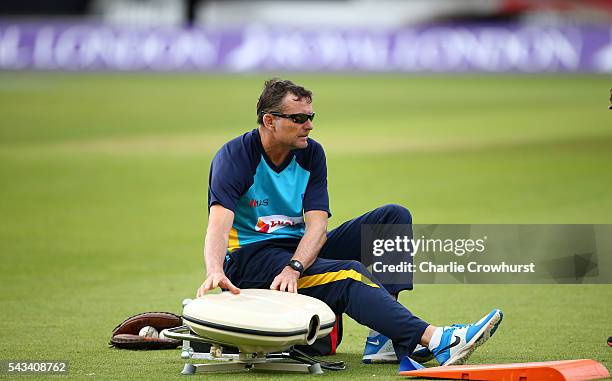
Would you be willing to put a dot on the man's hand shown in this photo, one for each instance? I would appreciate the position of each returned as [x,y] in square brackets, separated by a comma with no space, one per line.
[286,280]
[215,280]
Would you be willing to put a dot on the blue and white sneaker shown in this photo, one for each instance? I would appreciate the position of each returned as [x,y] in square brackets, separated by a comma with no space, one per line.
[458,343]
[422,354]
[379,349]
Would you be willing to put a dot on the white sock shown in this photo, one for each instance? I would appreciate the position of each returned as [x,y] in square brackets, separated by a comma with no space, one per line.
[435,339]
[372,333]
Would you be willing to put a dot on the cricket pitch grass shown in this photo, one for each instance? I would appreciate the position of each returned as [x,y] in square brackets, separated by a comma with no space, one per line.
[103,200]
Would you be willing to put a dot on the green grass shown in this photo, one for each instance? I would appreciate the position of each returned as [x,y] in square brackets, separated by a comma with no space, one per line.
[103,199]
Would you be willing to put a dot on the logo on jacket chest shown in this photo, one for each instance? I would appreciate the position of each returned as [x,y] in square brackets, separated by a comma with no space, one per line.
[268,224]
[254,203]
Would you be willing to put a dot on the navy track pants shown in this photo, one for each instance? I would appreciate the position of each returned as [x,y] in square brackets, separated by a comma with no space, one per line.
[337,277]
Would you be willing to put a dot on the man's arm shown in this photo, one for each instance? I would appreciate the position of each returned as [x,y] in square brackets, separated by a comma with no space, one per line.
[306,252]
[220,222]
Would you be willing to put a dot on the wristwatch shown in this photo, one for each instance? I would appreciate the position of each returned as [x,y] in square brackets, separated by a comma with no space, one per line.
[296,265]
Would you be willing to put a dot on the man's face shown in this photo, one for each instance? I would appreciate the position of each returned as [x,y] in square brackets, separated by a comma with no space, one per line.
[287,132]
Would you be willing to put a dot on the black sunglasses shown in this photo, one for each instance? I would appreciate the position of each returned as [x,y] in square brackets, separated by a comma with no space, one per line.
[296,118]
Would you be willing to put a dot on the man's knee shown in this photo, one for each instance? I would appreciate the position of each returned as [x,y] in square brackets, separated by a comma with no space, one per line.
[357,266]
[394,213]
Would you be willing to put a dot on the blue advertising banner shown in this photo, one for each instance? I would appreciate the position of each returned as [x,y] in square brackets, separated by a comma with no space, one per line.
[435,48]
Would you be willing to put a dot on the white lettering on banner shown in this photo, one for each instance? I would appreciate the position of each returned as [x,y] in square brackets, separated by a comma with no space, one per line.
[202,50]
[493,49]
[252,52]
[368,51]
[488,49]
[303,51]
[89,47]
[100,43]
[291,50]
[437,49]
[332,53]
[67,47]
[603,58]
[123,56]
[10,52]
[547,49]
[438,54]
[43,48]
[152,52]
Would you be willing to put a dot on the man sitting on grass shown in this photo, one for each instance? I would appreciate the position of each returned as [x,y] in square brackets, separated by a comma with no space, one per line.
[267,228]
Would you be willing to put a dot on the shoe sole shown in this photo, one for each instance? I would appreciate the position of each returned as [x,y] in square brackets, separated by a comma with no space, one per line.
[423,359]
[480,338]
[384,358]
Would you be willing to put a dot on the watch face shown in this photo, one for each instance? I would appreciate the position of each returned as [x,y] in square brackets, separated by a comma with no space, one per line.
[296,265]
